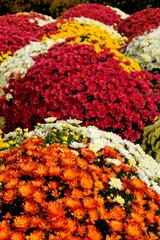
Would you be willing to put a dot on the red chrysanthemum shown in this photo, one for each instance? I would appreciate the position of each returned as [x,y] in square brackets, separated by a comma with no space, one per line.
[74,81]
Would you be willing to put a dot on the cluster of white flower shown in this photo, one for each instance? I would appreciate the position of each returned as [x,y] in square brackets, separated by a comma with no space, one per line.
[41,22]
[145,49]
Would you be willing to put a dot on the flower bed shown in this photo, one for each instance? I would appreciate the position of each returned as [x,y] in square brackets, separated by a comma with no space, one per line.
[75,81]
[151,140]
[73,182]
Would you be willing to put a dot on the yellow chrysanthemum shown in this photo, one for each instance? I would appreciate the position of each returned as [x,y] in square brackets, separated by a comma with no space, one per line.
[128,64]
[86,33]
[3,145]
[4,56]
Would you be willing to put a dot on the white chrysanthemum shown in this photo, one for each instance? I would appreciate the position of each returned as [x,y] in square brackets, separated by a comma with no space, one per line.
[41,22]
[74,121]
[113,161]
[97,144]
[50,119]
[145,50]
[77,145]
[115,183]
[119,200]
[9,96]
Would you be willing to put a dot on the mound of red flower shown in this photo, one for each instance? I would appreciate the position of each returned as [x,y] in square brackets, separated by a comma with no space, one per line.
[75,81]
[140,22]
[95,11]
[50,193]
[17,30]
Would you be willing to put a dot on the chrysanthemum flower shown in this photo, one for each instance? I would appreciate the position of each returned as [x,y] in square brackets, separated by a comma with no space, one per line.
[76,74]
[97,204]
[151,140]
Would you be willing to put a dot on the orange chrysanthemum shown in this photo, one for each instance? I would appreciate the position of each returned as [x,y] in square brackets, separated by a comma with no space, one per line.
[71,225]
[137,217]
[93,233]
[58,222]
[38,222]
[36,235]
[151,217]
[88,155]
[109,173]
[117,213]
[72,203]
[82,163]
[41,170]
[18,236]
[11,183]
[133,229]
[9,195]
[113,237]
[110,152]
[81,230]
[26,189]
[152,236]
[28,166]
[89,202]
[54,171]
[67,158]
[65,196]
[93,215]
[37,182]
[70,174]
[79,213]
[55,209]
[22,222]
[39,196]
[30,206]
[5,230]
[76,193]
[138,184]
[116,226]
[86,181]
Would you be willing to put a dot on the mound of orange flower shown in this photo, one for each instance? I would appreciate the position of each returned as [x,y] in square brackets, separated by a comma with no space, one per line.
[52,191]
